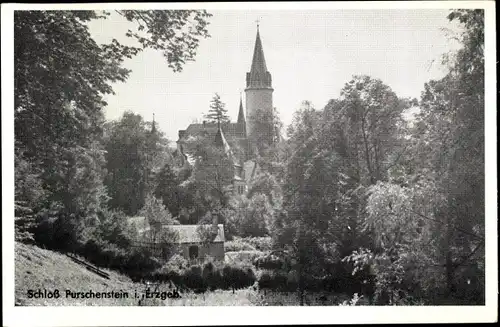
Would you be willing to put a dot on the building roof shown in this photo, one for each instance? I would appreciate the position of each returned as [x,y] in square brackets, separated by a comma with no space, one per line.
[189,233]
[250,167]
[232,130]
[241,115]
[221,142]
[258,77]
[258,60]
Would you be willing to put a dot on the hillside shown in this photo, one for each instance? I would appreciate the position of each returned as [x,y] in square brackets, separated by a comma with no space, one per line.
[37,268]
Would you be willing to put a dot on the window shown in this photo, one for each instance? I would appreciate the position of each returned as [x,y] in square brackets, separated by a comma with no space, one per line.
[241,189]
[193,252]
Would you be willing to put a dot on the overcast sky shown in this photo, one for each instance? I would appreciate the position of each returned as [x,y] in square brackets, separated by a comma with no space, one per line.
[310,54]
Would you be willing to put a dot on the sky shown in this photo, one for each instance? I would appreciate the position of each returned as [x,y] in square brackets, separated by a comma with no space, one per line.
[310,55]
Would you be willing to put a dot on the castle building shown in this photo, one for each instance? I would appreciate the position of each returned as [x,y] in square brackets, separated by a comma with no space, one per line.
[258,97]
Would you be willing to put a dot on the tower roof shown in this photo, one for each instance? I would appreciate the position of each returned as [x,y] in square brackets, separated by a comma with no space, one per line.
[241,114]
[258,61]
[258,75]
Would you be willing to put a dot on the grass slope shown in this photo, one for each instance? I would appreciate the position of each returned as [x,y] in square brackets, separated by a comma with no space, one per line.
[36,268]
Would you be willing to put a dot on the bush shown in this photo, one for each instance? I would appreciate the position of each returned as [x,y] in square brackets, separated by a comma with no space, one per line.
[260,243]
[270,262]
[275,280]
[176,263]
[212,276]
[238,245]
[235,277]
[249,244]
[265,281]
[242,258]
[193,279]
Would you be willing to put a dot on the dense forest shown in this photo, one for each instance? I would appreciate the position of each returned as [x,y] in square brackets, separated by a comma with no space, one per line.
[356,194]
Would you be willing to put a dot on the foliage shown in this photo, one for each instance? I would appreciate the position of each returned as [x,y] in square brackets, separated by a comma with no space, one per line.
[237,244]
[212,176]
[355,299]
[169,191]
[218,112]
[61,76]
[249,244]
[253,217]
[266,133]
[134,156]
[158,219]
[244,257]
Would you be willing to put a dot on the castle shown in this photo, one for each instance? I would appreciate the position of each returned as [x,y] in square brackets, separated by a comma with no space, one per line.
[258,97]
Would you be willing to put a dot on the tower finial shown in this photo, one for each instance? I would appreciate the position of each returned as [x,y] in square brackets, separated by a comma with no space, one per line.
[257,21]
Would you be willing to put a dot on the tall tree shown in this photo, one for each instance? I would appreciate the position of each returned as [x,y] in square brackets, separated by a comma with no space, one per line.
[134,156]
[60,77]
[451,144]
[212,177]
[218,112]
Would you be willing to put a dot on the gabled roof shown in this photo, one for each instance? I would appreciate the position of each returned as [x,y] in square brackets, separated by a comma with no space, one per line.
[189,233]
[221,142]
[231,130]
[251,169]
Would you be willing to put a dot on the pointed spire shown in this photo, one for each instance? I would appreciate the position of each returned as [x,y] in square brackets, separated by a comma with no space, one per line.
[258,75]
[241,114]
[258,61]
[221,142]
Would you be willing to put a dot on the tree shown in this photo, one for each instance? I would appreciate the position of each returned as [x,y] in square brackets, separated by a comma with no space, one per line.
[60,77]
[266,133]
[252,216]
[450,143]
[157,217]
[218,112]
[168,190]
[134,156]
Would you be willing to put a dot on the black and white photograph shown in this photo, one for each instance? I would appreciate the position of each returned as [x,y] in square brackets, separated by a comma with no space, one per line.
[250,155]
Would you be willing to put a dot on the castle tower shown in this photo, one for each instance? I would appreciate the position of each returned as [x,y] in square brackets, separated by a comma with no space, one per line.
[259,91]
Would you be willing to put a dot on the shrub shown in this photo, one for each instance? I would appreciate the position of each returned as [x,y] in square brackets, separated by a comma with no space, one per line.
[237,245]
[260,243]
[270,262]
[212,276]
[235,277]
[193,278]
[242,258]
[176,263]
[265,281]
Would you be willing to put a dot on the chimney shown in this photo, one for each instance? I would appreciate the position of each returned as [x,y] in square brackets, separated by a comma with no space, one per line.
[215,220]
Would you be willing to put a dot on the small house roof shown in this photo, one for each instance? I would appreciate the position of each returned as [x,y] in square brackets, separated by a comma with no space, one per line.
[189,233]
